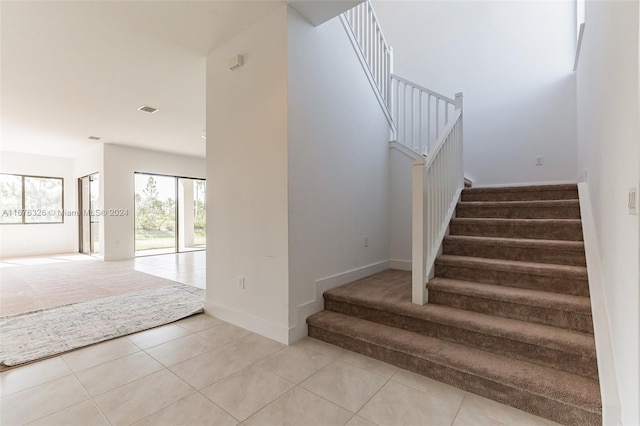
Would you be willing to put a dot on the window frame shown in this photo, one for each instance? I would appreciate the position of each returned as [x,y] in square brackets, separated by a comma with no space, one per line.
[23,198]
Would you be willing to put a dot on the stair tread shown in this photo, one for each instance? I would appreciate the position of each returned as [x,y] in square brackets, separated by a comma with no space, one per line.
[561,386]
[517,242]
[521,203]
[498,220]
[395,297]
[545,299]
[514,266]
[533,188]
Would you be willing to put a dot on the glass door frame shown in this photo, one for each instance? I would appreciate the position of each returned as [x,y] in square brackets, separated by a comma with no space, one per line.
[86,216]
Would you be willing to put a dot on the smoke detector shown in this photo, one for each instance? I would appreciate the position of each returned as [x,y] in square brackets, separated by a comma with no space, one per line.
[148,109]
[94,138]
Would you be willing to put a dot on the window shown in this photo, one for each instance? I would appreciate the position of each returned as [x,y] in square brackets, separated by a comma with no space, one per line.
[31,199]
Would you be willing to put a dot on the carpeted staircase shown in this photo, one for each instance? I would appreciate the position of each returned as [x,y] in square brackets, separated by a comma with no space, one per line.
[509,316]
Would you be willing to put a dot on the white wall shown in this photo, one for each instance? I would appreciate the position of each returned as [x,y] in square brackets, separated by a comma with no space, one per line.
[400,204]
[609,148]
[338,166]
[36,239]
[247,224]
[120,164]
[513,60]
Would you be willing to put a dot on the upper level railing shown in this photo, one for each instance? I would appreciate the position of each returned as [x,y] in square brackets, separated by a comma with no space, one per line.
[375,49]
[419,114]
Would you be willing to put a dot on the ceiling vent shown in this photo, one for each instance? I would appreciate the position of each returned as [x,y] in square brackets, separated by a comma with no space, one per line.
[147,108]
[94,138]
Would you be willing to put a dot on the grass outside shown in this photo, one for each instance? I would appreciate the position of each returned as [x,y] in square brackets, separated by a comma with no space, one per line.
[150,239]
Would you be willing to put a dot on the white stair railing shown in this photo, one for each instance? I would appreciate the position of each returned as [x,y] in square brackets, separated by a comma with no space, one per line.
[375,53]
[438,181]
[419,114]
[425,122]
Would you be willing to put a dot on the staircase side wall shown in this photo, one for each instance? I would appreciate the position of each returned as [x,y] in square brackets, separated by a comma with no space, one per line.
[609,152]
[338,167]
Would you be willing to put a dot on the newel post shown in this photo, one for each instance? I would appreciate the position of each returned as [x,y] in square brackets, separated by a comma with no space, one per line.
[418,252]
[460,139]
[458,101]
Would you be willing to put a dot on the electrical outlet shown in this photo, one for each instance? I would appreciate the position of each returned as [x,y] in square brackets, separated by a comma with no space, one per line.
[241,283]
[366,241]
[539,161]
[633,201]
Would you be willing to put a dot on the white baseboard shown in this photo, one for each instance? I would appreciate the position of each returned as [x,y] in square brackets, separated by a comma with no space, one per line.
[257,325]
[611,414]
[507,185]
[299,330]
[402,265]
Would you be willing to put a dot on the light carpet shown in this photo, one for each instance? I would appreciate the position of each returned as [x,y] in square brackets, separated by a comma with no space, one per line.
[35,335]
[36,287]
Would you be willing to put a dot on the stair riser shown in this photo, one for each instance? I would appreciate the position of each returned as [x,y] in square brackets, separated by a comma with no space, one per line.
[527,401]
[572,212]
[521,195]
[564,232]
[570,362]
[554,256]
[572,286]
[535,314]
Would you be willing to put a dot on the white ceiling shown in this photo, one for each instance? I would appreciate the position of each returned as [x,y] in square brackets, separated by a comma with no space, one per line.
[74,69]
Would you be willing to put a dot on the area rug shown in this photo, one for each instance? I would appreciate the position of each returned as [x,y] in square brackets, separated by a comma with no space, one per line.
[33,288]
[35,335]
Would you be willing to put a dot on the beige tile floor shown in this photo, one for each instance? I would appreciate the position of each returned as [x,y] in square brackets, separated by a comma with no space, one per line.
[203,371]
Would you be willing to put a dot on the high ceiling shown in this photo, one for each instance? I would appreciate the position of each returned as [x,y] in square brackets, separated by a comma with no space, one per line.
[74,69]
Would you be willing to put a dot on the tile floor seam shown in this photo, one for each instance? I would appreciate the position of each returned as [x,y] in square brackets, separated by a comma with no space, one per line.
[263,358]
[154,328]
[123,384]
[176,363]
[220,407]
[3,395]
[325,399]
[453,421]
[102,363]
[371,371]
[259,409]
[90,396]
[372,396]
[161,408]
[334,403]
[282,396]
[463,392]
[318,352]
[272,372]
[61,409]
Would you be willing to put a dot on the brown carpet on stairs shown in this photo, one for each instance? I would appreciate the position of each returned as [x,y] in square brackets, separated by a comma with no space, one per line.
[509,316]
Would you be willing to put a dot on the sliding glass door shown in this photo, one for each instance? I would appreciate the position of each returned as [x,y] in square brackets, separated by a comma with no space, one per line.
[169,214]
